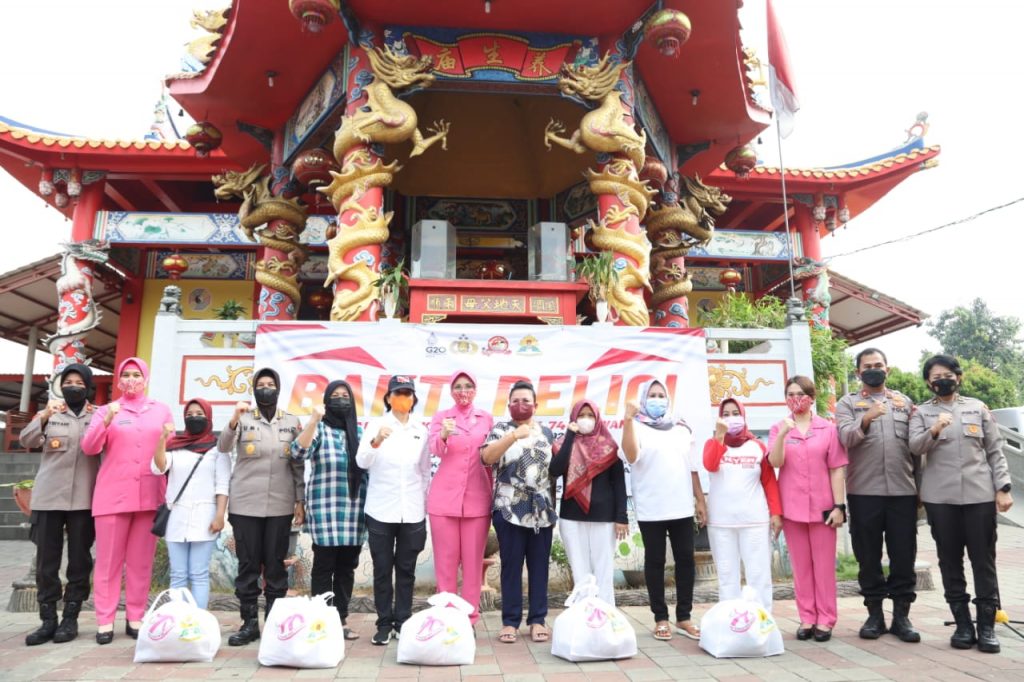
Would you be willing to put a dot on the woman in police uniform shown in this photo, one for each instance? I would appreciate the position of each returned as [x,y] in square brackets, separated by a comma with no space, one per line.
[266,495]
[964,480]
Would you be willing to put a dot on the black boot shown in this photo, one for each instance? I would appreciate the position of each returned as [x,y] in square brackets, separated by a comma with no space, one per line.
[47,614]
[874,626]
[987,641]
[68,628]
[250,630]
[964,637]
[901,625]
[269,605]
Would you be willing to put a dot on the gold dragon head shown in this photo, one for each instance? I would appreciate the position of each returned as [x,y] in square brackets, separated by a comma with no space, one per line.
[590,82]
[400,71]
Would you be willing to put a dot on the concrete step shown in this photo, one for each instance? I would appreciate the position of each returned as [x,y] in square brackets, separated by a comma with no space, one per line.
[9,471]
[12,518]
[19,457]
[18,532]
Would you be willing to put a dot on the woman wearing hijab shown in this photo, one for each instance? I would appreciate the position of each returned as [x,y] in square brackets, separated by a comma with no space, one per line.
[667,494]
[127,432]
[267,491]
[459,502]
[521,451]
[198,516]
[744,511]
[394,451]
[811,460]
[593,511]
[336,495]
[62,503]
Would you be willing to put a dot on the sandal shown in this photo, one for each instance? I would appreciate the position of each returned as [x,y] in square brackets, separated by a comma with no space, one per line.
[350,634]
[663,631]
[539,633]
[687,629]
[508,635]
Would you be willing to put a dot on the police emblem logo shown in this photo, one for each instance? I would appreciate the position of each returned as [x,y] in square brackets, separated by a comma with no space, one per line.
[55,443]
[250,449]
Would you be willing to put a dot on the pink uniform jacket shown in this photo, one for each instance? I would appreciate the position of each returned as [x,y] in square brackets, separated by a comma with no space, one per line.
[804,483]
[125,482]
[462,485]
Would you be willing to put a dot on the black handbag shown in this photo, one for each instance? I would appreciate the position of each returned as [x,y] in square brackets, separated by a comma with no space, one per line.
[163,512]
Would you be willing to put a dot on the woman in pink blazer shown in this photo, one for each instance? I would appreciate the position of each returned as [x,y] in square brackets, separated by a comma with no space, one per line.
[459,501]
[126,497]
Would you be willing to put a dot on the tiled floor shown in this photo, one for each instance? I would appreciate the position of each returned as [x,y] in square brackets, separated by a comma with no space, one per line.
[846,657]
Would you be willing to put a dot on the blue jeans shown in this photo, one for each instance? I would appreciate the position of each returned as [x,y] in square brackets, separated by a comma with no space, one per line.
[518,546]
[190,563]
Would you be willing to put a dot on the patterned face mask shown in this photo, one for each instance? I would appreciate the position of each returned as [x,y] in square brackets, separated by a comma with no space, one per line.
[464,397]
[131,386]
[799,404]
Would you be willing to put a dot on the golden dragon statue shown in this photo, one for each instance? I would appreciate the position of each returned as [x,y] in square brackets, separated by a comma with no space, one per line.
[385,118]
[275,221]
[630,307]
[370,228]
[361,171]
[213,22]
[620,178]
[605,128]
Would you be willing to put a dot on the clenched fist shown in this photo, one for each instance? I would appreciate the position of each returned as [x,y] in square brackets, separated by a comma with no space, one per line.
[240,409]
[522,431]
[112,410]
[632,409]
[721,428]
[447,427]
[944,420]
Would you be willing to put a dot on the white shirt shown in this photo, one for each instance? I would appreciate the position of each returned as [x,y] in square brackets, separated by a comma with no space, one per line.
[191,517]
[399,470]
[736,498]
[660,477]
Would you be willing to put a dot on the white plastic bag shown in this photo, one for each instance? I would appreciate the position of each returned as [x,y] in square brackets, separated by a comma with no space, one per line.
[303,632]
[740,628]
[176,630]
[591,629]
[439,635]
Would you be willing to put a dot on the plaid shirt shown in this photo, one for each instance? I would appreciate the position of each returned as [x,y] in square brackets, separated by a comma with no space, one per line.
[333,517]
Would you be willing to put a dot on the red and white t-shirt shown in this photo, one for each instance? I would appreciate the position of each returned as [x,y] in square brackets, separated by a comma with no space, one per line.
[743,491]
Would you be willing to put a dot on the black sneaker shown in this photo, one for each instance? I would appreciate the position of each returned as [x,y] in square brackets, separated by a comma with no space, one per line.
[382,636]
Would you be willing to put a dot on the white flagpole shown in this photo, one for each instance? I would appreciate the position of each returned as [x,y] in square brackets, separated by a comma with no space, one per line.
[785,210]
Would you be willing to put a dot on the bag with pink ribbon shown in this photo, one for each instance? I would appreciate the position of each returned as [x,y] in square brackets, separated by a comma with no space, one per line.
[303,632]
[439,635]
[591,629]
[176,630]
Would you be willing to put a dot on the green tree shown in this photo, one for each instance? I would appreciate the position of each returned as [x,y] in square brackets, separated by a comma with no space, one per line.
[976,333]
[909,384]
[831,363]
[990,387]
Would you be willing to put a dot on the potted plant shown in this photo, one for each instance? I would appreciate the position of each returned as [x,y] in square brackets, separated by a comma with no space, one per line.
[22,493]
[737,311]
[632,550]
[392,282]
[600,274]
[231,310]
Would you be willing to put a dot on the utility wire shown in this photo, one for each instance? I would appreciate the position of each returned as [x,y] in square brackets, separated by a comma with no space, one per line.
[908,237]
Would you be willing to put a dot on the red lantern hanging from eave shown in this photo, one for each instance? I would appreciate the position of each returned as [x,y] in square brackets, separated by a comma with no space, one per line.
[313,168]
[669,29]
[741,160]
[204,137]
[314,14]
[730,278]
[175,265]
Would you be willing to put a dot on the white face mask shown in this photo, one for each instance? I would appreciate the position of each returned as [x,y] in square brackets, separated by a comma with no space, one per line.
[586,425]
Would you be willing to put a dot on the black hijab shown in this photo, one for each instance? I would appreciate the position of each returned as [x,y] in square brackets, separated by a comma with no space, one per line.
[268,411]
[347,424]
[86,374]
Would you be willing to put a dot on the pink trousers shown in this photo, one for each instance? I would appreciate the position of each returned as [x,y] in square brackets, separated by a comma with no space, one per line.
[456,541]
[812,554]
[123,543]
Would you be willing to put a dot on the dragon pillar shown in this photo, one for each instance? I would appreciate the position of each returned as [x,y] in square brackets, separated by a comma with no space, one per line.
[811,271]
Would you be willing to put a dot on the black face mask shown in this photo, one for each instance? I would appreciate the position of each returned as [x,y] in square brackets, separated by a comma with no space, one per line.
[944,387]
[339,406]
[265,396]
[196,424]
[873,377]
[74,396]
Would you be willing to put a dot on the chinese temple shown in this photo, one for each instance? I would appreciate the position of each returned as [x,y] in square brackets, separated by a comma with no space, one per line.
[486,146]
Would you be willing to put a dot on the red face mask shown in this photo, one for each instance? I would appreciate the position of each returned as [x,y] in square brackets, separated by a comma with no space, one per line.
[799,404]
[521,412]
[464,397]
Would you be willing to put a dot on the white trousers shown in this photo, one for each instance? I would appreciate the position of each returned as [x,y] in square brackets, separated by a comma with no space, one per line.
[752,545]
[590,547]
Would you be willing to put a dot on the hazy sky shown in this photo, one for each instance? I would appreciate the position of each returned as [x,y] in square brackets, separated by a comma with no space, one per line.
[863,69]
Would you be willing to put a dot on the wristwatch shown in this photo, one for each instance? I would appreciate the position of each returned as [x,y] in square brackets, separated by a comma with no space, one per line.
[1006,488]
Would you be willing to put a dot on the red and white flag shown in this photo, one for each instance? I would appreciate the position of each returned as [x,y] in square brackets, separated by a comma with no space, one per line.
[783,89]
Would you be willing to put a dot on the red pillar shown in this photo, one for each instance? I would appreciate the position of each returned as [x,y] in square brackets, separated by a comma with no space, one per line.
[84,217]
[128,328]
[815,279]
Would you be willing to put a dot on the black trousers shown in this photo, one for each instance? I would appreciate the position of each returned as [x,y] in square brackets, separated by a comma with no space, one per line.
[334,570]
[518,545]
[680,534]
[875,519]
[954,527]
[394,548]
[261,545]
[48,529]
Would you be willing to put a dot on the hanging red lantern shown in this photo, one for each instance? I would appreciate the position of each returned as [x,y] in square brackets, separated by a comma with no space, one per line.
[730,278]
[321,300]
[654,171]
[313,168]
[314,14]
[204,137]
[741,160]
[175,265]
[669,29]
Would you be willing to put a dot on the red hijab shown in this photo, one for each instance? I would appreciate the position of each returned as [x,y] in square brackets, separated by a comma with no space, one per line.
[200,442]
[591,455]
[744,435]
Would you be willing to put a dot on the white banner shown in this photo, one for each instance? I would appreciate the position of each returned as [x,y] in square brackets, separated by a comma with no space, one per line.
[605,363]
